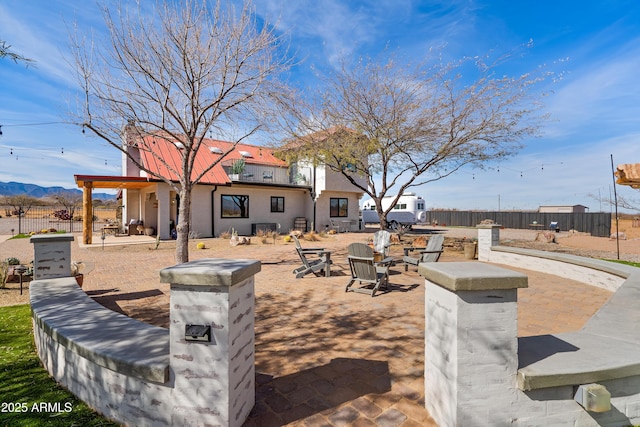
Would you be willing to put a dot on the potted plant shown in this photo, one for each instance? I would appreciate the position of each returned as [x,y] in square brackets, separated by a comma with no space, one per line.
[4,273]
[470,248]
[236,169]
[12,263]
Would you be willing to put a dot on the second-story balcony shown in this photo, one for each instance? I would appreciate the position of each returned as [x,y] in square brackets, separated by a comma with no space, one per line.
[253,173]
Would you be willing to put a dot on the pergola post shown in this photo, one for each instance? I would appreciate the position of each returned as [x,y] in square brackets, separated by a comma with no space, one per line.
[87,213]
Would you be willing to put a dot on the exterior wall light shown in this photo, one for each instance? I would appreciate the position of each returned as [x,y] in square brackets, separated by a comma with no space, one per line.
[593,397]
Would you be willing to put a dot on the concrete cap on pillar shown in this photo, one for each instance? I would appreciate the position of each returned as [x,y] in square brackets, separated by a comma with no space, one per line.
[471,276]
[211,271]
[50,238]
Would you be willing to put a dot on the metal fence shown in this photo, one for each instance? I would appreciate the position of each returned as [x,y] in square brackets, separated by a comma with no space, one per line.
[597,223]
[38,218]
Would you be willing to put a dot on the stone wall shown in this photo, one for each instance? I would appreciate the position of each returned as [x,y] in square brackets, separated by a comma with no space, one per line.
[475,375]
[141,375]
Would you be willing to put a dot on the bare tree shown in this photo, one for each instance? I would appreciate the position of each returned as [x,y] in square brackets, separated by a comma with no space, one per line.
[190,68]
[70,201]
[6,52]
[401,126]
[628,203]
[21,203]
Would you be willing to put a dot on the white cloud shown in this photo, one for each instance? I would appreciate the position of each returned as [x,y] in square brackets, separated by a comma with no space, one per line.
[602,93]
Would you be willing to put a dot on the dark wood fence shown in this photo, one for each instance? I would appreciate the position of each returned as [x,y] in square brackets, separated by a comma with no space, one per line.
[597,223]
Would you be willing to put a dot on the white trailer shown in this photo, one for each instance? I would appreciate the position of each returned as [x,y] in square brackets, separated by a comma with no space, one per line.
[408,210]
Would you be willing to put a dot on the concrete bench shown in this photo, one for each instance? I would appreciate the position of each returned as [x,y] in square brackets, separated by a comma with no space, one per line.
[66,314]
[606,348]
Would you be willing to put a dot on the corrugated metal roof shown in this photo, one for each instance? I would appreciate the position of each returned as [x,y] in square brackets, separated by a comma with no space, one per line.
[164,158]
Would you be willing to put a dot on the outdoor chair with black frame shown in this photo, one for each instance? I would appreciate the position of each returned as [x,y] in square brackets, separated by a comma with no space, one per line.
[429,254]
[373,275]
[314,260]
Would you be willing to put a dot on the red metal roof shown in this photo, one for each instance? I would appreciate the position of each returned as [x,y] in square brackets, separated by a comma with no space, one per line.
[164,158]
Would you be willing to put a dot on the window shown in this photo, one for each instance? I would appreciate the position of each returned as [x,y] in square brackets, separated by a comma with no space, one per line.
[277,204]
[420,206]
[338,207]
[234,206]
[400,206]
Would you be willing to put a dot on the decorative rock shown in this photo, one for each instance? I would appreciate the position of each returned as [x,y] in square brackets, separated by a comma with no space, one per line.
[239,240]
[546,237]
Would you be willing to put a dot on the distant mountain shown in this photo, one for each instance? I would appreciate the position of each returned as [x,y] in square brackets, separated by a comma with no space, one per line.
[18,188]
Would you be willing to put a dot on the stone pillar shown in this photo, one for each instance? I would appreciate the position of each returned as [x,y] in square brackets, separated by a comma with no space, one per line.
[213,374]
[471,346]
[488,235]
[52,255]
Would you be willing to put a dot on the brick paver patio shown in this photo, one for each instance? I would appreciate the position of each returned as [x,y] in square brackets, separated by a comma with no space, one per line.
[323,357]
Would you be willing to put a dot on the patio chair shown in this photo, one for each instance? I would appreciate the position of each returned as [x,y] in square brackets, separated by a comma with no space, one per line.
[374,276]
[382,242]
[314,260]
[429,254]
[335,225]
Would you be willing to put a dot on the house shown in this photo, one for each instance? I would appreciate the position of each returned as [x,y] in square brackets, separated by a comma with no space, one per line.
[563,209]
[248,190]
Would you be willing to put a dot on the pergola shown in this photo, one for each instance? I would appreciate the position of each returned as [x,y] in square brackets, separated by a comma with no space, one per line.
[89,182]
[629,174]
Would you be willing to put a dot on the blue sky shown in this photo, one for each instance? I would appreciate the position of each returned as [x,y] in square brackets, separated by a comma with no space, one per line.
[594,109]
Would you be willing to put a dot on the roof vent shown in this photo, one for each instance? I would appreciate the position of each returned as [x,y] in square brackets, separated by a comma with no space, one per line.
[245,154]
[216,150]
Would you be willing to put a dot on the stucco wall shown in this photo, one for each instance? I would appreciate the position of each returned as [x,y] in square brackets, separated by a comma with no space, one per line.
[296,203]
[323,208]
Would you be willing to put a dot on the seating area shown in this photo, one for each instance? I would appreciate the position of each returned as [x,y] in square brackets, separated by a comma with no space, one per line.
[368,264]
[583,356]
[126,345]
[313,307]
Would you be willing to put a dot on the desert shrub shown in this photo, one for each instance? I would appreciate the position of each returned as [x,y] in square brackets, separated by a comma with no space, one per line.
[62,215]
[311,236]
[13,261]
[225,235]
[263,235]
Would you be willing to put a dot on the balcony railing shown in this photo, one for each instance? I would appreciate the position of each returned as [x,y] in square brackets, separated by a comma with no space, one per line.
[269,175]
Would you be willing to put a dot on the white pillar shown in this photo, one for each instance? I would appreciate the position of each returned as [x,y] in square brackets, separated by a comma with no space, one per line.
[488,236]
[214,379]
[471,346]
[164,212]
[51,255]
